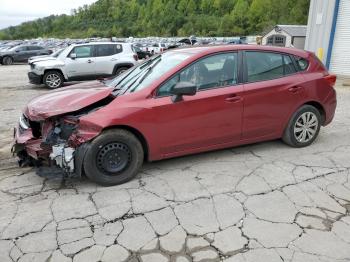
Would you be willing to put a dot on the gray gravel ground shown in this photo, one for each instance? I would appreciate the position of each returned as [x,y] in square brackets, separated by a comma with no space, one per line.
[262,202]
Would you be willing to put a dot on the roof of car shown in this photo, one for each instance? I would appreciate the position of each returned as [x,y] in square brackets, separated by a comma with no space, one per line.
[101,43]
[207,49]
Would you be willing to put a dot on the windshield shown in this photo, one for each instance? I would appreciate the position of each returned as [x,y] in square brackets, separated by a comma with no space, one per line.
[13,48]
[144,74]
[57,53]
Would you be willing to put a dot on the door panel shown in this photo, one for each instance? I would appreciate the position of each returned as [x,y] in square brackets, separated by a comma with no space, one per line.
[210,117]
[83,66]
[267,104]
[106,58]
[271,92]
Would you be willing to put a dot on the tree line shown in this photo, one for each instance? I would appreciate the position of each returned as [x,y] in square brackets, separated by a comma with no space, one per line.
[139,18]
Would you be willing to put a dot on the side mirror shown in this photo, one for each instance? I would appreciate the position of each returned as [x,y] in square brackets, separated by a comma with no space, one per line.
[73,56]
[183,89]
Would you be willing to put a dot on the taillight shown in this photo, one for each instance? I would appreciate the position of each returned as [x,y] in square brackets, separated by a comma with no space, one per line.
[136,57]
[162,49]
[331,79]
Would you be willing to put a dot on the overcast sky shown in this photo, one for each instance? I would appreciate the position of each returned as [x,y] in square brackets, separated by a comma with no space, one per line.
[14,12]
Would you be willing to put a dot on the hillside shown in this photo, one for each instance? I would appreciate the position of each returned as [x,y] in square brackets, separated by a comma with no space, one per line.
[124,18]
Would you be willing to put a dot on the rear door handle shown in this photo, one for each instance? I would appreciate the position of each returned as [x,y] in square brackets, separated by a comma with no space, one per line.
[89,61]
[233,98]
[294,89]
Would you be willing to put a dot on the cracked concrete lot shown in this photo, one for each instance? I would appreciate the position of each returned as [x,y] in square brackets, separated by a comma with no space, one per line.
[262,202]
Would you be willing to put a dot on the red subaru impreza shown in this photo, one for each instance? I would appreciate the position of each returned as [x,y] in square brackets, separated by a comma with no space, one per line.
[180,102]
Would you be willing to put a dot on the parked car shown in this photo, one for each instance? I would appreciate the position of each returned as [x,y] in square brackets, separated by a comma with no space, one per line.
[181,102]
[86,61]
[21,53]
[140,53]
[156,48]
[52,56]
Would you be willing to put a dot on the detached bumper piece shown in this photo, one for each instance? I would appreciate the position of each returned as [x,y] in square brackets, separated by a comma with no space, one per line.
[34,78]
[64,157]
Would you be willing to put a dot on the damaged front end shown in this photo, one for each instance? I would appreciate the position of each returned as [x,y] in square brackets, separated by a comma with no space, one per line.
[57,140]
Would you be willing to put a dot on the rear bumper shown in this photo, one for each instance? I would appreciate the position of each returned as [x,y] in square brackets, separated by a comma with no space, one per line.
[330,107]
[34,78]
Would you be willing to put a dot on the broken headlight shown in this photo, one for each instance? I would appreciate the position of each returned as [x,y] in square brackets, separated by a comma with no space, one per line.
[23,122]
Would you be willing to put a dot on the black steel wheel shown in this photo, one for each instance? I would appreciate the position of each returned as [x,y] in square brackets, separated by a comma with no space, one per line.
[114,157]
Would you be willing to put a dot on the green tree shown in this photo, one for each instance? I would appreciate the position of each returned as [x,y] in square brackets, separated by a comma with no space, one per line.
[125,18]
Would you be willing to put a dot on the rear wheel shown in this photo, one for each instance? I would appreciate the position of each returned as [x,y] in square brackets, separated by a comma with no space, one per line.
[303,127]
[7,60]
[114,157]
[121,70]
[53,79]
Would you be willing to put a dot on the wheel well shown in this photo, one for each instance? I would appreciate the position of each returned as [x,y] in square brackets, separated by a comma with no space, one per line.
[138,135]
[116,67]
[320,109]
[58,70]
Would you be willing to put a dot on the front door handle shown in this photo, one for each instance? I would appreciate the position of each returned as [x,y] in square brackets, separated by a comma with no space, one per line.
[294,89]
[233,98]
[89,61]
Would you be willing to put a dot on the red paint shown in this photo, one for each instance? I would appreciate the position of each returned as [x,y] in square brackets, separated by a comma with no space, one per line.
[211,119]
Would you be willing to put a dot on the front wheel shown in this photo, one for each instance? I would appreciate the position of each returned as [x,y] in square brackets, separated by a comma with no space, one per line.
[7,60]
[113,158]
[53,79]
[303,127]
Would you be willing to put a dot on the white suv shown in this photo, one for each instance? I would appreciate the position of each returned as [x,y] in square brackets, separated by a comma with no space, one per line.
[79,62]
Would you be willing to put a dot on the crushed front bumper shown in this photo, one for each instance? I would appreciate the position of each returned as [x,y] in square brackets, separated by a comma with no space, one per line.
[64,157]
[29,149]
[34,78]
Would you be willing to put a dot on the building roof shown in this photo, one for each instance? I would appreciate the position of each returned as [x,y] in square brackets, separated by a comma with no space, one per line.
[293,30]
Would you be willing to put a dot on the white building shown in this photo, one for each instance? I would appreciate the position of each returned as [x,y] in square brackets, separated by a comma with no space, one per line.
[328,34]
[286,35]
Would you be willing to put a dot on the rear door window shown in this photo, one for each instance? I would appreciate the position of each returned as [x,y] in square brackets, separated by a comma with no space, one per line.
[263,66]
[107,50]
[302,63]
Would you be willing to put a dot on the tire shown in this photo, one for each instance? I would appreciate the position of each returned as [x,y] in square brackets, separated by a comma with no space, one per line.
[53,79]
[121,70]
[113,158]
[7,60]
[303,127]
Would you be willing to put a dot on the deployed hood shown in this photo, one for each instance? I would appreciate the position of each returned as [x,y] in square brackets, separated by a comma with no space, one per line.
[66,100]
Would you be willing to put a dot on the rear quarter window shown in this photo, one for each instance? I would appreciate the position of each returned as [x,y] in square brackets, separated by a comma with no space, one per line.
[302,63]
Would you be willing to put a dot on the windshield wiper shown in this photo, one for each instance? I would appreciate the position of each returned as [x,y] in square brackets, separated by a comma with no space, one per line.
[148,70]
[149,61]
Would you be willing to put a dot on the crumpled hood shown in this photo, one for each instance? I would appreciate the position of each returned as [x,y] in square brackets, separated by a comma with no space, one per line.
[66,100]
[37,59]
